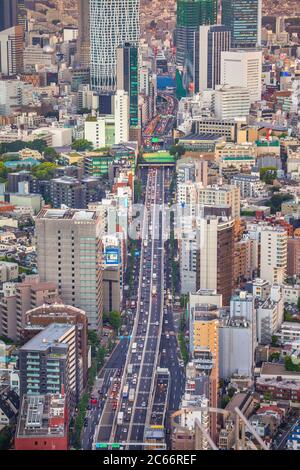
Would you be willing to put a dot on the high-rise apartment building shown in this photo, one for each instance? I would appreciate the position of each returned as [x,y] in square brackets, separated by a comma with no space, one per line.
[216,255]
[226,196]
[69,253]
[210,41]
[11,50]
[121,116]
[293,256]
[238,337]
[18,298]
[243,18]
[13,95]
[273,254]
[190,15]
[49,363]
[243,68]
[75,193]
[204,342]
[83,41]
[128,79]
[8,13]
[37,319]
[184,423]
[112,24]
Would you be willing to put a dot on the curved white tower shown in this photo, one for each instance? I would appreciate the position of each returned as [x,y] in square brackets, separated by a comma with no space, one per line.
[112,23]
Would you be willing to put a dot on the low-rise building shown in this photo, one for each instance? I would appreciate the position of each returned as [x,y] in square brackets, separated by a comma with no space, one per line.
[42,423]
[293,442]
[8,271]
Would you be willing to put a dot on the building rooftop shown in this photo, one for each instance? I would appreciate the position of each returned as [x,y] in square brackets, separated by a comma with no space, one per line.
[42,416]
[50,336]
[201,137]
[67,214]
[238,400]
[278,370]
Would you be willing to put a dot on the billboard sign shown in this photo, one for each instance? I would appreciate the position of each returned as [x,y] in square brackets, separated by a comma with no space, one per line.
[112,256]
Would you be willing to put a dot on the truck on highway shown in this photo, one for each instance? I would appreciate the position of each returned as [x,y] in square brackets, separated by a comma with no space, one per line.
[120,417]
[129,369]
[125,392]
[131,394]
[154,276]
[145,243]
[154,290]
[134,347]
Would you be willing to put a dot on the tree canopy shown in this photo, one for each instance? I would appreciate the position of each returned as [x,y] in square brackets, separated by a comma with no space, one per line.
[50,154]
[44,171]
[17,145]
[82,145]
[177,150]
[268,174]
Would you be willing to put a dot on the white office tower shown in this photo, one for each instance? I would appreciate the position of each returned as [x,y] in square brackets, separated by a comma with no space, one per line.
[121,117]
[237,343]
[231,102]
[100,130]
[243,68]
[273,257]
[238,337]
[187,235]
[112,24]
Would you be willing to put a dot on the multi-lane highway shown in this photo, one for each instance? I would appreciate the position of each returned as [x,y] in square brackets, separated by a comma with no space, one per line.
[153,343]
[162,124]
[138,380]
[101,390]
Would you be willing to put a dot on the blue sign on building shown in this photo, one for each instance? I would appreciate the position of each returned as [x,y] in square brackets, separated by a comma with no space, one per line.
[112,256]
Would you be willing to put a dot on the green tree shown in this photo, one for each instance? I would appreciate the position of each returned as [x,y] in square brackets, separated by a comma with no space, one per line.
[275,356]
[137,190]
[38,144]
[44,171]
[177,150]
[82,145]
[3,171]
[268,174]
[231,392]
[274,341]
[290,365]
[225,400]
[50,154]
[276,201]
[115,320]
[5,438]
[298,303]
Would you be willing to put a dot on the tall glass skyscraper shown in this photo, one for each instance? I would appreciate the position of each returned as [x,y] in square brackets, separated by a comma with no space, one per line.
[190,15]
[127,79]
[243,18]
[8,14]
[112,24]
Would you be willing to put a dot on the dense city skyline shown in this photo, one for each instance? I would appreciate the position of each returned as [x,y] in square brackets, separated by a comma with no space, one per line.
[149,227]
